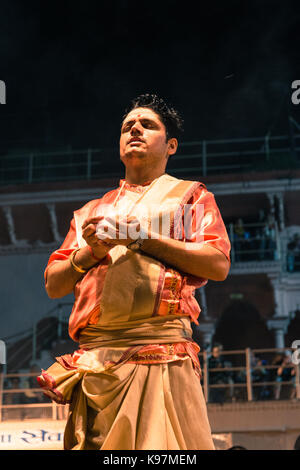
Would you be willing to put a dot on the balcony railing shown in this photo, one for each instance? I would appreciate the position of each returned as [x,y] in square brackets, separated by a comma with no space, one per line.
[254,243]
[206,157]
[241,379]
[258,243]
[26,402]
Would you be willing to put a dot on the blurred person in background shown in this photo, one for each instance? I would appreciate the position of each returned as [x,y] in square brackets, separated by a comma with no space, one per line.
[239,238]
[297,443]
[286,373]
[216,395]
[273,374]
[293,254]
[259,375]
[34,396]
[269,238]
[14,398]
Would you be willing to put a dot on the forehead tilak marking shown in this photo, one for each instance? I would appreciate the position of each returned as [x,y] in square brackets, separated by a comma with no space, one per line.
[132,116]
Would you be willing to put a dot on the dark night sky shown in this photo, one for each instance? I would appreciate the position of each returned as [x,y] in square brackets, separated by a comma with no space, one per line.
[71,70]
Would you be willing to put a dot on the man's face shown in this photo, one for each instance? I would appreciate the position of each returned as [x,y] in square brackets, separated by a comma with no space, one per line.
[15,382]
[143,139]
[216,352]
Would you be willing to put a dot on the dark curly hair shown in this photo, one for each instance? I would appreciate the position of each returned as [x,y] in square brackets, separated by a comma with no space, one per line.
[171,119]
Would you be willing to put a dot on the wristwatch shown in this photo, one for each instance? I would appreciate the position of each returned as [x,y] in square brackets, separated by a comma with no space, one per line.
[136,244]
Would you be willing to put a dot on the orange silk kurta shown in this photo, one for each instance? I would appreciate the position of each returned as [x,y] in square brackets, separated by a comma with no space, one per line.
[177,289]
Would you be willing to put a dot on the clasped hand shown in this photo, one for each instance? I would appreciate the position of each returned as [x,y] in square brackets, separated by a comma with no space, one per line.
[111,231]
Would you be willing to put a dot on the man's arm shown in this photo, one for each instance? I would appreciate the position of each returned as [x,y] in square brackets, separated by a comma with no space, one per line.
[201,260]
[205,262]
[62,277]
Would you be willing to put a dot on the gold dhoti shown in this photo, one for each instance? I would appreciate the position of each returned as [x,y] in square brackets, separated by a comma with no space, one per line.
[134,388]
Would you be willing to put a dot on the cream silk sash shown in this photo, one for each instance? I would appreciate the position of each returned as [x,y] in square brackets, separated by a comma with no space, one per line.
[133,282]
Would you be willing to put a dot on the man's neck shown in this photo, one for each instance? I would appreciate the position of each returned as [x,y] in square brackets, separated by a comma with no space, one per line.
[142,177]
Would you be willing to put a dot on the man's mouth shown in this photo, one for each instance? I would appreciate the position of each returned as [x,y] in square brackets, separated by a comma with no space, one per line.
[135,140]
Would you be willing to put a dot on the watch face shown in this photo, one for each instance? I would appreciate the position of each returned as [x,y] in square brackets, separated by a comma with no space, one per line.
[136,245]
[133,246]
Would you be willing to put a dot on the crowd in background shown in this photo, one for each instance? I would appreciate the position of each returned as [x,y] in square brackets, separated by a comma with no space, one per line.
[257,241]
[293,253]
[282,372]
[30,391]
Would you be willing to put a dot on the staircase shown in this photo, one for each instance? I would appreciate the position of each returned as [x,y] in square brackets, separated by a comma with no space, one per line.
[41,344]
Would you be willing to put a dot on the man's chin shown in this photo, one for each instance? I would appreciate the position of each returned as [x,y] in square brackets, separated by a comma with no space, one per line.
[134,154]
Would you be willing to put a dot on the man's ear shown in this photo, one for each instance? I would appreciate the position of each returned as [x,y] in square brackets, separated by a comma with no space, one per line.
[172,146]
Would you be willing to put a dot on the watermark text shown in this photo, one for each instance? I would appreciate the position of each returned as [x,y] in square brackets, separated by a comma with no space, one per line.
[183,223]
[296,94]
[296,354]
[2,92]
[2,352]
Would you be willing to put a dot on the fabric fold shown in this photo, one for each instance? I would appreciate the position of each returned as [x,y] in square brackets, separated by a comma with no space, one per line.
[103,350]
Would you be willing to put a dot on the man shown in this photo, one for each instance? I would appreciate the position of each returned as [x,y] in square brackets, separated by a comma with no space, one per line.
[217,395]
[134,382]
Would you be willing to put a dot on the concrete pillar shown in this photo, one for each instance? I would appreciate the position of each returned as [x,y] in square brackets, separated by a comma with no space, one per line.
[281,307]
[279,338]
[271,197]
[10,225]
[11,228]
[280,326]
[281,211]
[207,338]
[279,196]
[208,330]
[54,226]
[201,298]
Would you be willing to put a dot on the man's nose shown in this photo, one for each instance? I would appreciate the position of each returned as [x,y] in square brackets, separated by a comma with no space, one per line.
[136,128]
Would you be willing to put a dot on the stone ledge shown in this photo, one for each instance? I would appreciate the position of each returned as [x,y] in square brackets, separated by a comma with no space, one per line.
[28,249]
[254,416]
[249,267]
[255,405]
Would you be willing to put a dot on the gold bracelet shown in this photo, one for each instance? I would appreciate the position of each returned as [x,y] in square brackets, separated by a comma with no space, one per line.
[77,268]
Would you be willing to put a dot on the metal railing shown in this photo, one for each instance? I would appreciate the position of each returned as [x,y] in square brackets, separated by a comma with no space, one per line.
[254,244]
[239,382]
[204,157]
[32,338]
[27,402]
[242,386]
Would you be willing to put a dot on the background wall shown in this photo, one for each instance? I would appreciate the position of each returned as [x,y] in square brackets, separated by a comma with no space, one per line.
[23,296]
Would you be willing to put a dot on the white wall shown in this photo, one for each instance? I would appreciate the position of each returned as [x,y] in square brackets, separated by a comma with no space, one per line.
[22,292]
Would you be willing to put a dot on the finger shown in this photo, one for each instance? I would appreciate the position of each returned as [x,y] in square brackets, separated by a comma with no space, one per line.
[102,234]
[88,231]
[92,220]
[106,242]
[103,226]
